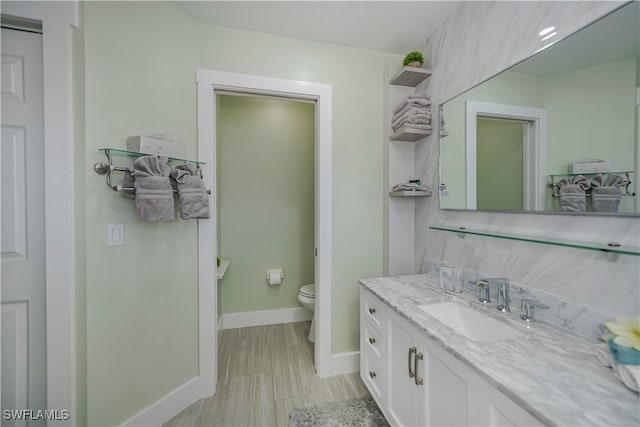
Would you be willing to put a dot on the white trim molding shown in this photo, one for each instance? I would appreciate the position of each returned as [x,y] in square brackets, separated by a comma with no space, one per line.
[57,20]
[265,317]
[168,406]
[535,141]
[345,363]
[210,81]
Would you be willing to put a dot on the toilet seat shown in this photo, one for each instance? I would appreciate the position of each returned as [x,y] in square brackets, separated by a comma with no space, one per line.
[308,291]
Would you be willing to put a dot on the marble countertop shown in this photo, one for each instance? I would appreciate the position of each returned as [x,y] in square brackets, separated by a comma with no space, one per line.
[550,371]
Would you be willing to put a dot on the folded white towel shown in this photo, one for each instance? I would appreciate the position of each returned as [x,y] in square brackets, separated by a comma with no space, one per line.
[415,126]
[422,119]
[603,355]
[415,102]
[629,375]
[411,109]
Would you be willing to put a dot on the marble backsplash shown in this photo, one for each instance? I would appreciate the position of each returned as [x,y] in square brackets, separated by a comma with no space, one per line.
[583,287]
[579,318]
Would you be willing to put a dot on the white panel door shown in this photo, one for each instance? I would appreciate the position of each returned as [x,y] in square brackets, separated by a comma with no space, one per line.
[22,234]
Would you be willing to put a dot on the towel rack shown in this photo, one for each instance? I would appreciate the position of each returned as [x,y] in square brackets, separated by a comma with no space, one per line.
[555,188]
[102,168]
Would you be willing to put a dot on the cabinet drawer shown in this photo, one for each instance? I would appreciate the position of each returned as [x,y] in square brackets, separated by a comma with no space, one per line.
[372,341]
[373,376]
[372,309]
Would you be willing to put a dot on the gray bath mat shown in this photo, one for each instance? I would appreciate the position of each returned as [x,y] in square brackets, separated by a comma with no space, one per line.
[356,412]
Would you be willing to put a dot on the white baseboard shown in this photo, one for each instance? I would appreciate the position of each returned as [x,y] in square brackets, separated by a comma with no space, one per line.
[167,407]
[219,329]
[265,317]
[345,363]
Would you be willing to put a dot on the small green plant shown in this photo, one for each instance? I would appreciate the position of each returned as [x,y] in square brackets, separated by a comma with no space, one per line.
[414,56]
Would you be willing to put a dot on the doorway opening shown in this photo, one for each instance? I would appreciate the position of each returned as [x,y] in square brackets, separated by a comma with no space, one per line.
[265,219]
[210,83]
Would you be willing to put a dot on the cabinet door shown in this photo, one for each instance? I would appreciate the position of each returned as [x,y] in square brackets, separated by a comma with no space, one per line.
[496,409]
[404,397]
[451,390]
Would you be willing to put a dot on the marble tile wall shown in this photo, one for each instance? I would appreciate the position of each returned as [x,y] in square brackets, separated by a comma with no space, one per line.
[476,42]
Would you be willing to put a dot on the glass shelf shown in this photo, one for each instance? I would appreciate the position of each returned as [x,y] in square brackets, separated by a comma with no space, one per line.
[136,154]
[602,247]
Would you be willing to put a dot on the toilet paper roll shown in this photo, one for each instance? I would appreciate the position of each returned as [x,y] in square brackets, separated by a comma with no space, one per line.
[275,278]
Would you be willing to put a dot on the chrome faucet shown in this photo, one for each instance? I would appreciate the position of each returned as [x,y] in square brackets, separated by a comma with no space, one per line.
[484,296]
[503,295]
[527,307]
[484,291]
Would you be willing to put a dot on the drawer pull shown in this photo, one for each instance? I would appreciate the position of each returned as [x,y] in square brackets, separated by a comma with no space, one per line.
[412,373]
[372,310]
[372,374]
[372,340]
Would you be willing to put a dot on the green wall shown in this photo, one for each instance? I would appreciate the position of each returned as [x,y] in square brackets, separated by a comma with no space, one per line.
[142,312]
[141,299]
[499,165]
[266,199]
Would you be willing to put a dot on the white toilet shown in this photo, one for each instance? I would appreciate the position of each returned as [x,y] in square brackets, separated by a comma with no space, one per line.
[307,297]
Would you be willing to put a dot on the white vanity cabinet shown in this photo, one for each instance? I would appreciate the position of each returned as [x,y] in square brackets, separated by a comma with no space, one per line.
[426,387]
[417,383]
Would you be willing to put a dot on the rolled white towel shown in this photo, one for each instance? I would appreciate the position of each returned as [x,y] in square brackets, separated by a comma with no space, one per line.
[630,376]
[603,355]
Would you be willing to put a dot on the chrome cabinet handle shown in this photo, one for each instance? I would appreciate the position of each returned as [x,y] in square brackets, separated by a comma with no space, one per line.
[372,340]
[372,310]
[372,374]
[412,350]
[415,368]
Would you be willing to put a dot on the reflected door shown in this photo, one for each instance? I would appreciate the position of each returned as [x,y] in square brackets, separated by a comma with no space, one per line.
[500,164]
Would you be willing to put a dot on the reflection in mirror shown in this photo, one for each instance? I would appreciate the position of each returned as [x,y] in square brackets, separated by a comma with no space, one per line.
[558,132]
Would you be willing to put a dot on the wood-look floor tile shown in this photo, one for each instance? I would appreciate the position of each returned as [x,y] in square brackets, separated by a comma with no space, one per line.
[249,401]
[284,408]
[264,373]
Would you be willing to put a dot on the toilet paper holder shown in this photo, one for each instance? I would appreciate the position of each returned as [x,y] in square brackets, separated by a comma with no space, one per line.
[275,276]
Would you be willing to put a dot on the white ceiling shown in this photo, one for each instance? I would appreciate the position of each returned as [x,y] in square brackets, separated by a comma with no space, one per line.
[388,26]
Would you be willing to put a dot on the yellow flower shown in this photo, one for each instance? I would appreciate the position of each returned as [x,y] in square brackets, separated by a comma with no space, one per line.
[627,331]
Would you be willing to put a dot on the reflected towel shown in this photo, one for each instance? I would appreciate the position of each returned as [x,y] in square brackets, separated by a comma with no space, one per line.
[606,199]
[606,193]
[154,197]
[194,200]
[573,196]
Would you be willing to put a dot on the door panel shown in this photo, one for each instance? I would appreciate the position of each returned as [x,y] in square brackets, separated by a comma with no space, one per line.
[22,233]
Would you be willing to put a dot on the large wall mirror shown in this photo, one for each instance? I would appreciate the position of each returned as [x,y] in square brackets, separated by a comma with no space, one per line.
[557,132]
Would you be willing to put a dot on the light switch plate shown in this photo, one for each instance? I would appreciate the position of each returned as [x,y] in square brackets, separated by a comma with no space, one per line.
[115,235]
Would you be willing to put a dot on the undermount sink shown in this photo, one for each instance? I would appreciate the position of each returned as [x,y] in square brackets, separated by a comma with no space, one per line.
[471,323]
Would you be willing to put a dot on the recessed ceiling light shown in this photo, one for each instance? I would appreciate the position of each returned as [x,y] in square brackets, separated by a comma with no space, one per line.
[549,36]
[546,31]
